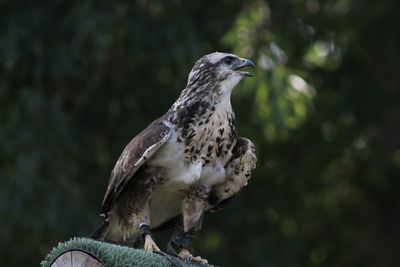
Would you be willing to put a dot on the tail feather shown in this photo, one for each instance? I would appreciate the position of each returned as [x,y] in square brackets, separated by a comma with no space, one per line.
[100,232]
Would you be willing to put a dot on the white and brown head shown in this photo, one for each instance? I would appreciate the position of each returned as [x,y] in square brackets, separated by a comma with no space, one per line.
[213,78]
[217,67]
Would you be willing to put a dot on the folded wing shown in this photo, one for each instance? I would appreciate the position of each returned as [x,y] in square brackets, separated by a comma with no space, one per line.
[135,154]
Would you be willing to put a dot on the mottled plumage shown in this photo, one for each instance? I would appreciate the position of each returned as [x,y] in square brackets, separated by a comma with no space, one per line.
[187,162]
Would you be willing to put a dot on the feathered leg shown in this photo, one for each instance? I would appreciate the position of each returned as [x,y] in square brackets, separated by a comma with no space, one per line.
[192,213]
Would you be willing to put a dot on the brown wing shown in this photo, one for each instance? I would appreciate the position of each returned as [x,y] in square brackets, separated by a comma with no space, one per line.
[137,152]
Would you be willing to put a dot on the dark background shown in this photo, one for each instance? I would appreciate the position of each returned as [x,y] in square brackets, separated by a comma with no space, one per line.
[78,79]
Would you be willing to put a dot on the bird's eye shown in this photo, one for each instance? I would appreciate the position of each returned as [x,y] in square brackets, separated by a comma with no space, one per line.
[229,60]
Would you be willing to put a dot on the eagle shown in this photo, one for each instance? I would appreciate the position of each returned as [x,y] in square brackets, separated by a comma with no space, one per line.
[186,163]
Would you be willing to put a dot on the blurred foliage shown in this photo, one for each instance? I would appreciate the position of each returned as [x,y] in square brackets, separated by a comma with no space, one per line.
[79,79]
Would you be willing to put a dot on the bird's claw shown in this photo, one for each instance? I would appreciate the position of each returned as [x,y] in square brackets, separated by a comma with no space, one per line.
[187,256]
[150,245]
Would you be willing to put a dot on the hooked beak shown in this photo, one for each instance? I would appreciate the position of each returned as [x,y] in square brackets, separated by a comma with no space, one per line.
[243,63]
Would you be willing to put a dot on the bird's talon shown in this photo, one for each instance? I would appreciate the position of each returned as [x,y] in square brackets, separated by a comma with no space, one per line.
[188,257]
[199,260]
[150,245]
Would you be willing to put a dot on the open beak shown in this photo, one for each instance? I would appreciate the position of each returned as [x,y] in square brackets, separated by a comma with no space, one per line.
[243,63]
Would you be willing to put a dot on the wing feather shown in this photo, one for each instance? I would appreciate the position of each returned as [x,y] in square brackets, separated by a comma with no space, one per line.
[135,154]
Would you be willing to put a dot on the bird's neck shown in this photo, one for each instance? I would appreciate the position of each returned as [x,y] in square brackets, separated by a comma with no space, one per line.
[209,93]
[192,109]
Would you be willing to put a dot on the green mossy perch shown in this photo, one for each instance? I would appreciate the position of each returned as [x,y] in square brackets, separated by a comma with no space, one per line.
[88,252]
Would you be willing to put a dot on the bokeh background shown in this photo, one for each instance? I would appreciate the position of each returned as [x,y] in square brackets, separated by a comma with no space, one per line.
[78,79]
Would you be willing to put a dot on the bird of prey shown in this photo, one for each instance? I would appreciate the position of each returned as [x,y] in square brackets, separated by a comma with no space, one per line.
[184,164]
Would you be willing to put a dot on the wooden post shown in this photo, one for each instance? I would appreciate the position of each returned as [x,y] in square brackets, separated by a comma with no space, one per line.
[77,258]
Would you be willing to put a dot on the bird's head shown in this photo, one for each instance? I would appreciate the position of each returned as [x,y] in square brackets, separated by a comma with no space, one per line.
[220,69]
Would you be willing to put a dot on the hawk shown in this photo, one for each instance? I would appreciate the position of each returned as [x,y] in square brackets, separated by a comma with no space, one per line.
[187,162]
